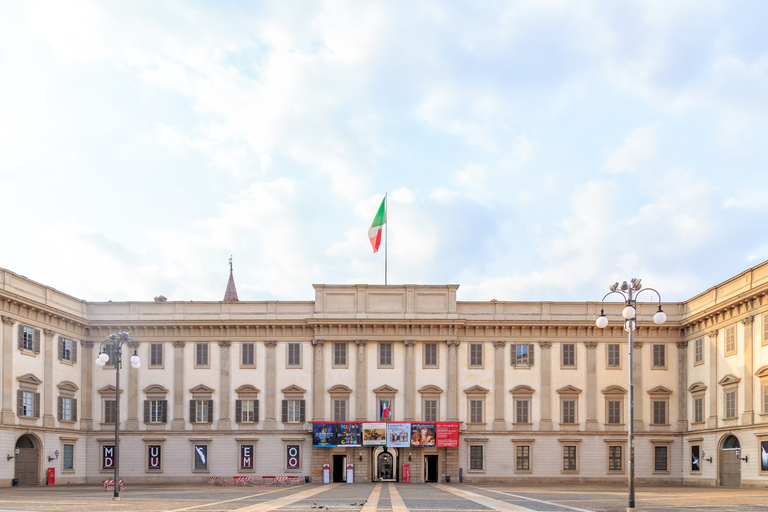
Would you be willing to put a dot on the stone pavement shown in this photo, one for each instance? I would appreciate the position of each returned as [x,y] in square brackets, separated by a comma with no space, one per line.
[373,497]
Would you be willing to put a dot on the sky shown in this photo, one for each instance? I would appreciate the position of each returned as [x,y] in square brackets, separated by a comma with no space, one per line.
[530,150]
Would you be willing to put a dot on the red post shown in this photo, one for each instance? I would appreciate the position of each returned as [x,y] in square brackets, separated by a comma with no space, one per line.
[51,476]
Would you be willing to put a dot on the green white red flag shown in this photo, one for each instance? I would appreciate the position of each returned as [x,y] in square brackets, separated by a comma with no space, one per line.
[374,234]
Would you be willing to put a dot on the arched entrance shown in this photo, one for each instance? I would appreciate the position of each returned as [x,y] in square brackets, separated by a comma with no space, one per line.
[26,461]
[730,463]
[385,464]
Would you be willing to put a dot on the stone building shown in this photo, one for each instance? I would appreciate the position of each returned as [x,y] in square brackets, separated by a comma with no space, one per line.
[536,391]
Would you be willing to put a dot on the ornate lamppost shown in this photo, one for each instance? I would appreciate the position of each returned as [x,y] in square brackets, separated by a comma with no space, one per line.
[117,341]
[629,293]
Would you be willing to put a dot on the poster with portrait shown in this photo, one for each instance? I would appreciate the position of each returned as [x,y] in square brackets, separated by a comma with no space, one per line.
[423,434]
[399,435]
[348,434]
[447,434]
[374,434]
[763,455]
[695,458]
[324,435]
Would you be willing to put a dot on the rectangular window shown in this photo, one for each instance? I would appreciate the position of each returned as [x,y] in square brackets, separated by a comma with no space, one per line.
[659,412]
[68,455]
[522,354]
[293,456]
[201,456]
[294,354]
[430,354]
[293,411]
[340,354]
[614,355]
[614,412]
[698,351]
[339,410]
[385,354]
[614,458]
[27,338]
[523,458]
[246,456]
[386,409]
[247,411]
[157,411]
[154,456]
[27,404]
[659,356]
[569,411]
[730,340]
[730,404]
[67,409]
[201,411]
[765,398]
[108,456]
[67,349]
[660,458]
[155,355]
[476,458]
[109,349]
[569,458]
[110,409]
[522,411]
[201,354]
[248,354]
[430,410]
[698,410]
[569,354]
[476,411]
[476,354]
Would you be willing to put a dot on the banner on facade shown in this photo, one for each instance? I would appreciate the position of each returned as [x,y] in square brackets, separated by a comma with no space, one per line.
[374,434]
[423,434]
[399,435]
[348,434]
[447,434]
[324,435]
[763,455]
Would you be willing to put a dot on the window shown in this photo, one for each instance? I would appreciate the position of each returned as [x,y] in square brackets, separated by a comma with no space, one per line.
[730,404]
[294,355]
[109,349]
[68,457]
[522,411]
[201,457]
[730,340]
[107,456]
[568,355]
[386,409]
[659,412]
[614,355]
[569,458]
[29,339]
[614,412]
[430,409]
[29,404]
[385,355]
[614,459]
[339,410]
[765,329]
[248,354]
[201,355]
[67,349]
[660,405]
[110,411]
[340,354]
[293,456]
[614,407]
[293,411]
[476,460]
[476,411]
[246,411]
[660,462]
[698,410]
[698,351]
[476,355]
[523,458]
[765,398]
[155,355]
[201,411]
[695,458]
[155,411]
[154,457]
[522,355]
[659,356]
[67,408]
[246,456]
[568,410]
[430,355]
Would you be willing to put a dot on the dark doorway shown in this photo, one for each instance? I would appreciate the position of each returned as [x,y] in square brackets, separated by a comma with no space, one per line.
[430,468]
[339,468]
[730,463]
[385,466]
[26,461]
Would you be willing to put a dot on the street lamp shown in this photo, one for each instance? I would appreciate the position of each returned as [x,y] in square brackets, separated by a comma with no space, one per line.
[629,293]
[117,341]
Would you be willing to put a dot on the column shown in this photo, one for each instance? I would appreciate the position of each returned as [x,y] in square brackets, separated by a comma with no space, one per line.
[270,366]
[410,382]
[361,380]
[748,416]
[546,385]
[8,416]
[178,386]
[682,386]
[48,396]
[499,423]
[86,385]
[132,422]
[452,381]
[713,387]
[639,390]
[591,395]
[225,402]
[318,380]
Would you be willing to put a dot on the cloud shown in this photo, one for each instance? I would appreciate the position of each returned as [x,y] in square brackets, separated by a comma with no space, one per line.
[638,151]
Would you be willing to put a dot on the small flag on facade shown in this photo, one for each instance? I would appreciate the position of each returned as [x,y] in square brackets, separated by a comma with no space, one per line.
[374,234]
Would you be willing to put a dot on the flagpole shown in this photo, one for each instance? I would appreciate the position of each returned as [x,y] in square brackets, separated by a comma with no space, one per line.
[386,233]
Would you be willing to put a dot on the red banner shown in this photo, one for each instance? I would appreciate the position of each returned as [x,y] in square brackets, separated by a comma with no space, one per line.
[447,434]
[406,473]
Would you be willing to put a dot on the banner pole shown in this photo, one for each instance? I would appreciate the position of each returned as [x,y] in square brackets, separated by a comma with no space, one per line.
[386,236]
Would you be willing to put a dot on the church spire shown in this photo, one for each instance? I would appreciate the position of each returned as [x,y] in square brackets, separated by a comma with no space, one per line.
[231,294]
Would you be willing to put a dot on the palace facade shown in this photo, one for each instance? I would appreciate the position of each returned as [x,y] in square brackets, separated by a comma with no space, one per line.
[507,391]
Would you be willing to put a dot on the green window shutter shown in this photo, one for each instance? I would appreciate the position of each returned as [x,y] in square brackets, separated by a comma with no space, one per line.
[192,412]
[21,336]
[36,342]
[165,411]
[285,411]
[210,411]
[74,351]
[74,409]
[238,411]
[530,354]
[61,407]
[19,402]
[61,347]
[256,411]
[37,405]
[514,354]
[146,411]
[301,410]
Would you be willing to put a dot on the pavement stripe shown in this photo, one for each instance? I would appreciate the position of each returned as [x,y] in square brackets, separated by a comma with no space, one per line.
[481,500]
[372,503]
[225,501]
[538,501]
[397,502]
[286,500]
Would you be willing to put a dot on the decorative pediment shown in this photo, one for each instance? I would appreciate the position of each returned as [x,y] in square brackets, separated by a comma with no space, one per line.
[728,380]
[762,372]
[385,390]
[247,388]
[293,389]
[660,390]
[30,379]
[201,389]
[569,390]
[340,389]
[109,389]
[68,386]
[476,390]
[431,389]
[155,389]
[697,387]
[522,389]
[614,390]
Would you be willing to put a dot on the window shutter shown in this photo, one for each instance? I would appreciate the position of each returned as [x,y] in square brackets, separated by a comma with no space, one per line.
[514,354]
[36,343]
[146,411]
[255,411]
[61,348]
[21,336]
[238,411]
[74,351]
[19,402]
[192,412]
[165,411]
[530,354]
[61,407]
[74,409]
[301,410]
[37,405]
[285,411]
[210,411]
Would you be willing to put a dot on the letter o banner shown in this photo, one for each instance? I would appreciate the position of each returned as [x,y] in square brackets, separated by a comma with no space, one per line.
[292,460]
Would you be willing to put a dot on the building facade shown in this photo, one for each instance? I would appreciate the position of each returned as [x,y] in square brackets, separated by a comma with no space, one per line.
[535,390]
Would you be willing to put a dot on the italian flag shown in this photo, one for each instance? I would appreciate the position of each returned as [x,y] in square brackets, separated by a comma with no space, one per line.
[374,234]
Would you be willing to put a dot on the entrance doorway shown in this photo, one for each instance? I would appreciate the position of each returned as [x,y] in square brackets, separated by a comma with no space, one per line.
[385,464]
[339,468]
[730,463]
[25,469]
[430,468]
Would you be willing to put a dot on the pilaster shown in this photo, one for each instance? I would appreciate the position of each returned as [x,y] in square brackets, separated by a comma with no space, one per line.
[49,420]
[318,380]
[546,385]
[361,381]
[748,416]
[225,361]
[270,368]
[682,386]
[591,395]
[499,423]
[7,415]
[178,386]
[639,395]
[410,381]
[713,387]
[452,381]
[86,388]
